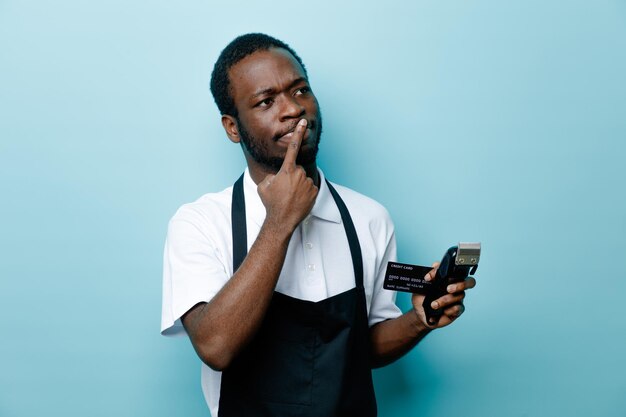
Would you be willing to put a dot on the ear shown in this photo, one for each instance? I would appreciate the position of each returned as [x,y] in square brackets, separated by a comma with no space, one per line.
[230,126]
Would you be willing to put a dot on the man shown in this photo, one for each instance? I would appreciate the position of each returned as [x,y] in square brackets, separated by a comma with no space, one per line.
[277,280]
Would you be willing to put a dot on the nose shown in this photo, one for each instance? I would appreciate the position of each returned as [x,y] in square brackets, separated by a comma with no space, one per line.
[290,108]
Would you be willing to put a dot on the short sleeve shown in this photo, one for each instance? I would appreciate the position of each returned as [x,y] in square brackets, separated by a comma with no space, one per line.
[193,270]
[383,305]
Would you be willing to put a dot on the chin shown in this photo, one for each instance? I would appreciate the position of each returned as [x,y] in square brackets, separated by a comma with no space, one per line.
[307,156]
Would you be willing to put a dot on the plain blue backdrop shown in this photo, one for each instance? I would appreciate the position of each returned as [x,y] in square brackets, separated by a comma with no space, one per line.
[495,121]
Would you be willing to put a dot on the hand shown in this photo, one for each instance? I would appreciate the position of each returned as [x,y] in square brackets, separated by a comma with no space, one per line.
[451,303]
[289,195]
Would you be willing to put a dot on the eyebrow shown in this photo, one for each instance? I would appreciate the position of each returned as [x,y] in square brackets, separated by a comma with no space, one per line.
[272,90]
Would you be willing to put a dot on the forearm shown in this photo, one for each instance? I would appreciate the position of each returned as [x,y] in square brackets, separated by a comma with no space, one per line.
[391,339]
[221,328]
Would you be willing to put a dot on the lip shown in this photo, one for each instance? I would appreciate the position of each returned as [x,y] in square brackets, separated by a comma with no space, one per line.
[286,138]
[311,125]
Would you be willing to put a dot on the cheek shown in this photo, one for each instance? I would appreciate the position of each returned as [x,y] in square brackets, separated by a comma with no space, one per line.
[263,129]
[312,106]
[258,126]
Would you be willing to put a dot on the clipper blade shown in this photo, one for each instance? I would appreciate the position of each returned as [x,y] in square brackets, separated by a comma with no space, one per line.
[468,253]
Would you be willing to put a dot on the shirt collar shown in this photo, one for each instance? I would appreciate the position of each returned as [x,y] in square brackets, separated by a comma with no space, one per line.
[324,207]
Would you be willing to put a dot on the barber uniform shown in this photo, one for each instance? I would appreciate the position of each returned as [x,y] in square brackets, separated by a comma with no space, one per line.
[198,262]
[308,358]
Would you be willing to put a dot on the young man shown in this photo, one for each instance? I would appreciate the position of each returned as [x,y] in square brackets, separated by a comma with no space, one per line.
[278,280]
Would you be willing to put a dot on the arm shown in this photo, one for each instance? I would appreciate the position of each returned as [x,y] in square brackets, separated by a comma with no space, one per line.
[391,339]
[220,328]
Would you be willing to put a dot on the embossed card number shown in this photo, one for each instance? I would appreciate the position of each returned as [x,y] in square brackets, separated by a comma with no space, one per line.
[406,278]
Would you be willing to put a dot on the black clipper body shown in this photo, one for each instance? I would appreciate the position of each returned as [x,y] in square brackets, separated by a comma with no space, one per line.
[457,264]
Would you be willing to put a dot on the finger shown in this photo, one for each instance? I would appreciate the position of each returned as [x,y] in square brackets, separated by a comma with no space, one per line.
[267,181]
[469,283]
[447,300]
[294,146]
[432,273]
[454,311]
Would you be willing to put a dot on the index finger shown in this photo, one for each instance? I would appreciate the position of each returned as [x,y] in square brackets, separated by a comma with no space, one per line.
[432,273]
[294,146]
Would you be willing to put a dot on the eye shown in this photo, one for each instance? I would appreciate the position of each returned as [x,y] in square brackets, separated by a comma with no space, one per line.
[302,90]
[265,102]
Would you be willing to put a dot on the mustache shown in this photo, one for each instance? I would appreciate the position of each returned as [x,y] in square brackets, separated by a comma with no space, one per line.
[312,124]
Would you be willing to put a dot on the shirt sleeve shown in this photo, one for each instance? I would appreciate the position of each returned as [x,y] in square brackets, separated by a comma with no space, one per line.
[193,270]
[383,305]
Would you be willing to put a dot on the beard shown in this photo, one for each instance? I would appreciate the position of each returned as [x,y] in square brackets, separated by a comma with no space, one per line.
[259,151]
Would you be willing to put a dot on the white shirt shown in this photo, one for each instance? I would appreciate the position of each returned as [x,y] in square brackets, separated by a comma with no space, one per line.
[198,257]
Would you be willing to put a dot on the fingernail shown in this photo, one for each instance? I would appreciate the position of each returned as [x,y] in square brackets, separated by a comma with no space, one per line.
[451,288]
[427,277]
[302,122]
[435,305]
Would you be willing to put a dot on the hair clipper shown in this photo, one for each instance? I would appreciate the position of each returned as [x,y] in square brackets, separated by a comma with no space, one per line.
[457,264]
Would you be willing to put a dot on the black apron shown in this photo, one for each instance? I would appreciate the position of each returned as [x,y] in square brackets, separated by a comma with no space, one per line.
[308,359]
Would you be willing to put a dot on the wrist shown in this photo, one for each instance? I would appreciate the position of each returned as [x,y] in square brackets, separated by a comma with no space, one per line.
[418,324]
[277,229]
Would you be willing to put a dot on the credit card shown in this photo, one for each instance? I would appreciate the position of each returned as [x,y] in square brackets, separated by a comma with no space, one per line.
[407,278]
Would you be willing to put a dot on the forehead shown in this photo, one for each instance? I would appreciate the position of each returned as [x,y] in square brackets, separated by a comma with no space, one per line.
[274,69]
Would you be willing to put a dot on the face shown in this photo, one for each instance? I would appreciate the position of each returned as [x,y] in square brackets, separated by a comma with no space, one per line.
[271,94]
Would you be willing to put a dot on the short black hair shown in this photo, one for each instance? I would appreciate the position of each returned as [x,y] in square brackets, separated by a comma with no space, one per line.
[235,51]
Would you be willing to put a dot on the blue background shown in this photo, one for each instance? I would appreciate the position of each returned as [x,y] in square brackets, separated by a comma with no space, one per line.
[501,122]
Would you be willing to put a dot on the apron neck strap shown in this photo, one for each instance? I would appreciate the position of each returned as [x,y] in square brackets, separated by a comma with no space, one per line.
[240,235]
[238,221]
[353,240]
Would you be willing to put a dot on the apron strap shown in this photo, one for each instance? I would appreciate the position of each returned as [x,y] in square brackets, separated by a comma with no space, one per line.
[238,220]
[353,240]
[240,238]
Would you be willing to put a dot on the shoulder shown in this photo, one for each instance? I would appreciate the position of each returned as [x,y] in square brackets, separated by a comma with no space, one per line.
[210,211]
